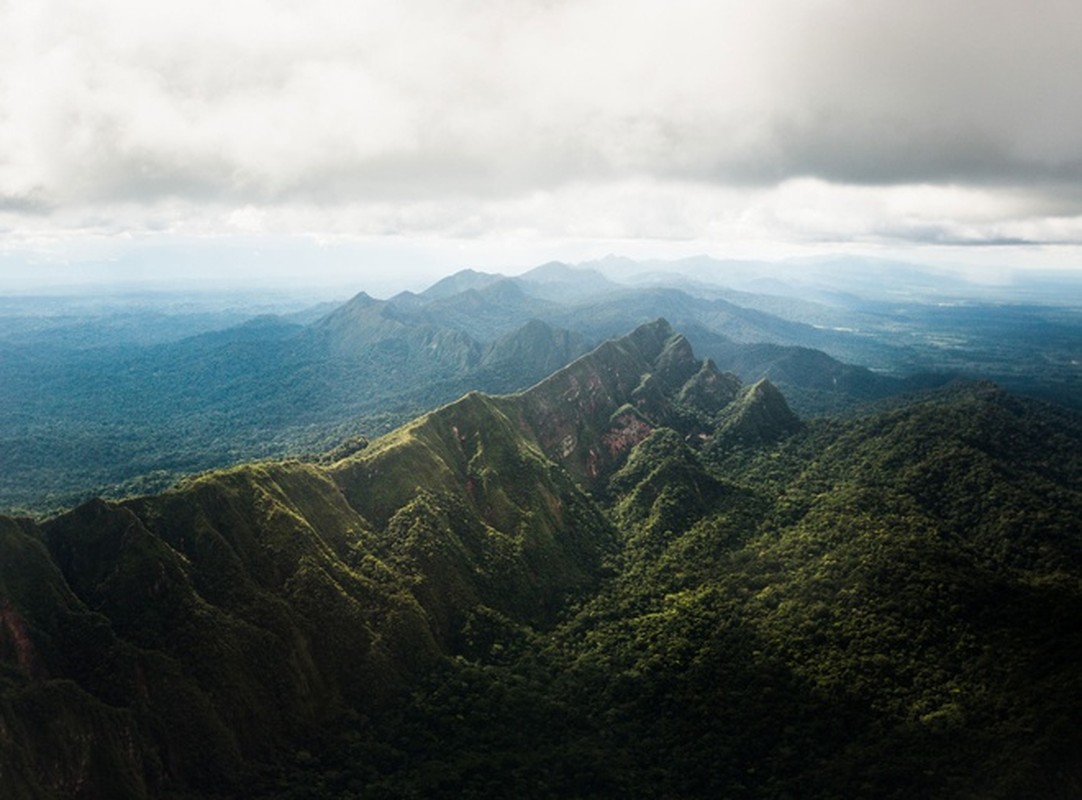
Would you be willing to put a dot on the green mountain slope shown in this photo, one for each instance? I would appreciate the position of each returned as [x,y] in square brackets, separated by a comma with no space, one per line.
[634,579]
[349,580]
[830,616]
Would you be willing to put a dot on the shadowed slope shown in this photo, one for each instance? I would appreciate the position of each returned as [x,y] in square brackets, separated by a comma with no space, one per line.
[269,598]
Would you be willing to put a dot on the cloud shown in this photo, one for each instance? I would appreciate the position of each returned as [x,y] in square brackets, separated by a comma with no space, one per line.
[640,118]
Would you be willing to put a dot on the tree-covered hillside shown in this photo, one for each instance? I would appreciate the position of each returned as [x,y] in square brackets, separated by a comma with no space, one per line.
[636,579]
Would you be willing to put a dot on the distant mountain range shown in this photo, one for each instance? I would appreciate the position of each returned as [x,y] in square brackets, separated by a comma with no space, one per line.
[640,577]
[86,408]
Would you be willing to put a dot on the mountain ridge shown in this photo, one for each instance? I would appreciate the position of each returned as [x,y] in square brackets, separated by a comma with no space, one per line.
[458,496]
[143,416]
[635,578]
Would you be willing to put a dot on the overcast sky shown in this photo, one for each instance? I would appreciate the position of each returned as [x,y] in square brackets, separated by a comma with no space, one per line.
[420,136]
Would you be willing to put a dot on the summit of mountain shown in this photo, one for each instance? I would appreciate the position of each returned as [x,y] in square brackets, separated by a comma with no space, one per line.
[359,320]
[365,328]
[359,301]
[758,416]
[812,381]
[565,283]
[532,352]
[500,292]
[408,299]
[553,272]
[588,415]
[489,312]
[461,281]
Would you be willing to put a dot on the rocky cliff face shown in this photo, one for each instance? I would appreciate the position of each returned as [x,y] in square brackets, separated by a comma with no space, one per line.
[589,415]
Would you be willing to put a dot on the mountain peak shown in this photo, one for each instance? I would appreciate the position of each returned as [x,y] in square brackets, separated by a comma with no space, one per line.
[362,299]
[759,415]
[536,349]
[552,271]
[354,308]
[461,281]
[588,415]
[709,388]
[651,338]
[559,281]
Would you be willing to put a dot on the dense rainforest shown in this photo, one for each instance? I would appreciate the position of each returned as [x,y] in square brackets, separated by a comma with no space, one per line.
[641,577]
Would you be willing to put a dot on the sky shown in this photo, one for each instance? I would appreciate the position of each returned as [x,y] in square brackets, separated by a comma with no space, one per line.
[386,143]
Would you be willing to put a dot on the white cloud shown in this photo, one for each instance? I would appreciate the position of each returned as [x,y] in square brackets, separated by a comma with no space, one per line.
[685,120]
